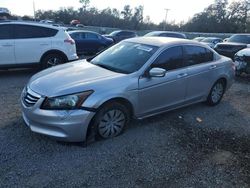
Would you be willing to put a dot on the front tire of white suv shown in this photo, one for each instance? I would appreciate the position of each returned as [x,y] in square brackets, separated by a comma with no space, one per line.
[51,60]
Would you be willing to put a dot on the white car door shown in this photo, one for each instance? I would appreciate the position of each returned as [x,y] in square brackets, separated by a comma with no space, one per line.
[7,55]
[31,43]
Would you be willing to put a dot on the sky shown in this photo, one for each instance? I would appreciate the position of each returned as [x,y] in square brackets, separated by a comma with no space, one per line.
[180,10]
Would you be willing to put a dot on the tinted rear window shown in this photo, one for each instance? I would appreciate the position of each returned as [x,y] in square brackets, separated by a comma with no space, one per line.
[196,55]
[28,31]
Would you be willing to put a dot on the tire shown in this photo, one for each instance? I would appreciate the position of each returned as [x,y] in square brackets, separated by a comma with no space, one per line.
[51,60]
[216,93]
[238,73]
[111,120]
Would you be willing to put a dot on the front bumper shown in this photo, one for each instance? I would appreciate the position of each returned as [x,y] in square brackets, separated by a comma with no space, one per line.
[242,66]
[70,126]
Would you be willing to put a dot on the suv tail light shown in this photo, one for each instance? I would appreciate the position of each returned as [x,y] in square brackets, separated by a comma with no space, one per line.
[70,41]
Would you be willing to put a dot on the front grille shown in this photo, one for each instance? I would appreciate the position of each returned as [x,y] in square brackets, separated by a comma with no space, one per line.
[30,98]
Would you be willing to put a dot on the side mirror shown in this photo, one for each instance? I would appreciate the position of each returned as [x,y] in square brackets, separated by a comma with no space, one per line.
[157,72]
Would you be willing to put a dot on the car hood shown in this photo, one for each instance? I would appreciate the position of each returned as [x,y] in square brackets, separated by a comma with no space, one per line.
[70,78]
[244,52]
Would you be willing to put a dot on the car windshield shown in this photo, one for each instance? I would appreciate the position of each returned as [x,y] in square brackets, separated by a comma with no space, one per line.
[240,38]
[125,57]
[198,39]
[209,40]
[151,34]
[114,33]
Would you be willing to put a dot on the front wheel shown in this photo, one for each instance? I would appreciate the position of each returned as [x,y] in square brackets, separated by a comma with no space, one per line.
[111,120]
[216,93]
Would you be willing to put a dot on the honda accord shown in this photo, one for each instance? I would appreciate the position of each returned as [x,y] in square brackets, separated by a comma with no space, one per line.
[136,78]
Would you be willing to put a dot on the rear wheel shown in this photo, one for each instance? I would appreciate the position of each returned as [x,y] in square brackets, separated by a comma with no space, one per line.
[216,93]
[111,120]
[51,60]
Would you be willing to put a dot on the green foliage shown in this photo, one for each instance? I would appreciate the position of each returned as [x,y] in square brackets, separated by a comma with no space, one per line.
[220,17]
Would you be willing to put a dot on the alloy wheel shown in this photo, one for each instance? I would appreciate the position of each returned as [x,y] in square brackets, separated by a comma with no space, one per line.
[53,62]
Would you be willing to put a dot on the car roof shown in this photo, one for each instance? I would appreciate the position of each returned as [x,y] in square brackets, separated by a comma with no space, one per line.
[123,31]
[162,41]
[241,34]
[168,32]
[32,23]
[82,31]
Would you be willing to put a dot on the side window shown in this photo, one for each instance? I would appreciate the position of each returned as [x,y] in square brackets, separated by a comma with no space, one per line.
[6,31]
[170,59]
[128,34]
[29,31]
[196,55]
[121,34]
[91,36]
[83,36]
[209,55]
[78,36]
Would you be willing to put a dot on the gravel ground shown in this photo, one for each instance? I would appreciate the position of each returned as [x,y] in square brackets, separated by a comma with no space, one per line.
[174,149]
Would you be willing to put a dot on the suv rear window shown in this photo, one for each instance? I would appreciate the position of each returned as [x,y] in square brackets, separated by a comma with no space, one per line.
[29,31]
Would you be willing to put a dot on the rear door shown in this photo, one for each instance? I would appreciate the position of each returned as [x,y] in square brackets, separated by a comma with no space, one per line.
[201,65]
[161,93]
[80,40]
[32,42]
[7,45]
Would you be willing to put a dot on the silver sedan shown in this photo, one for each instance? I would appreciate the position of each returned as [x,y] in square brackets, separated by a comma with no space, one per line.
[136,78]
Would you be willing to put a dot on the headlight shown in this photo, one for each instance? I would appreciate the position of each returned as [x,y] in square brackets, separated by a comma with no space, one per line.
[66,102]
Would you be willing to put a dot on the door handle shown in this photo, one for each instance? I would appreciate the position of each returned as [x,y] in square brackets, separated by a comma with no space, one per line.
[182,75]
[44,44]
[7,45]
[212,67]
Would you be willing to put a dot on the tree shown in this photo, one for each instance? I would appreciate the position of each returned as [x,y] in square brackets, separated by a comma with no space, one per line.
[127,12]
[116,13]
[85,4]
[137,18]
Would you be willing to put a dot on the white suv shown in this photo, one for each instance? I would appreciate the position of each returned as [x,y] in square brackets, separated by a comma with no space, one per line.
[24,44]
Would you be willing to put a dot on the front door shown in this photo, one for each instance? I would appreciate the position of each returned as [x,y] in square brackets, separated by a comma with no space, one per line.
[162,93]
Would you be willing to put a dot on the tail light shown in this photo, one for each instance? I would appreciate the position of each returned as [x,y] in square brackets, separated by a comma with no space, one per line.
[70,41]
